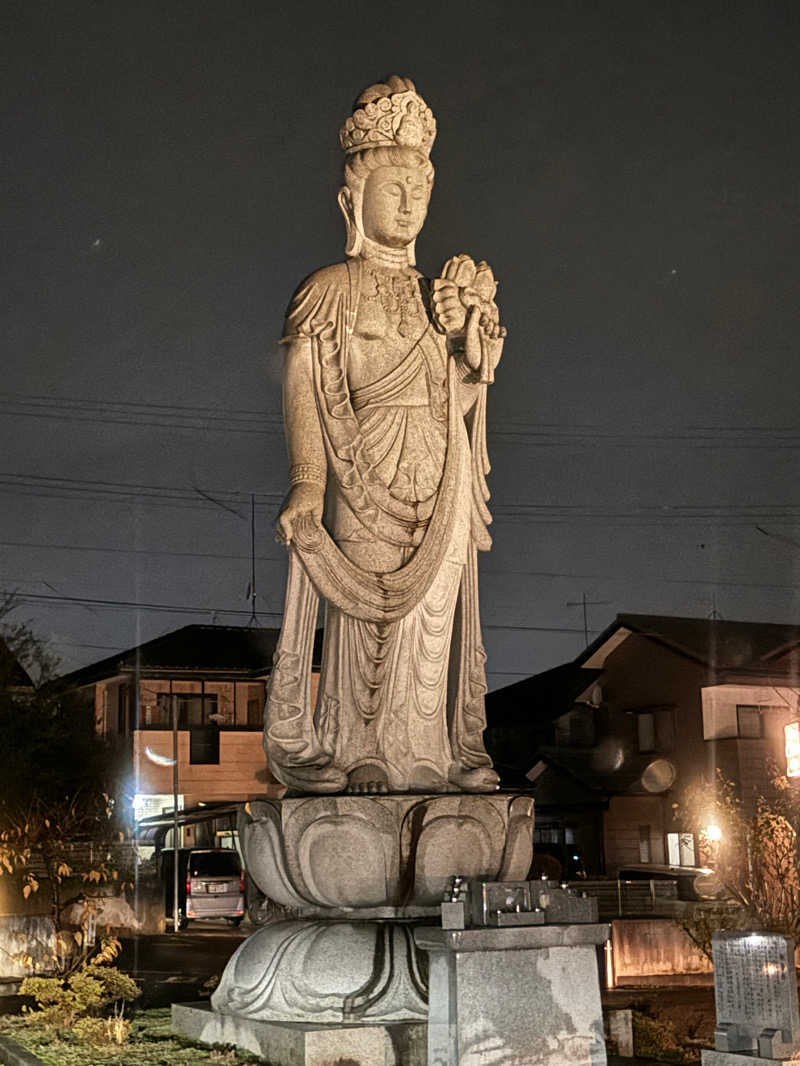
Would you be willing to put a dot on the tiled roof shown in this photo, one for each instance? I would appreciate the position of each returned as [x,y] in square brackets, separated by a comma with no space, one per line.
[194,649]
[546,696]
[716,642]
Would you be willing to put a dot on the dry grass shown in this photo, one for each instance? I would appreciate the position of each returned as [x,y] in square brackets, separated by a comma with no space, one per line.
[153,1042]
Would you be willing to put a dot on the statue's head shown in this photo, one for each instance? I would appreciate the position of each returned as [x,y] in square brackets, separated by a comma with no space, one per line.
[387,172]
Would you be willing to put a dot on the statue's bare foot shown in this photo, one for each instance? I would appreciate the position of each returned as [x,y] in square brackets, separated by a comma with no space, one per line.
[311,778]
[368,778]
[475,779]
[424,778]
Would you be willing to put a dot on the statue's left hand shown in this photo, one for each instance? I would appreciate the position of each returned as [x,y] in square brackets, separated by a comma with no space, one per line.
[464,309]
[483,343]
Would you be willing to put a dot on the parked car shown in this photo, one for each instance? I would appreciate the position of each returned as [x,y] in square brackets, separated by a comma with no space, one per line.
[210,884]
[693,882]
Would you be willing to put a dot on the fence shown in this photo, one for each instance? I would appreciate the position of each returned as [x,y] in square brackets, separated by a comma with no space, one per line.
[619,899]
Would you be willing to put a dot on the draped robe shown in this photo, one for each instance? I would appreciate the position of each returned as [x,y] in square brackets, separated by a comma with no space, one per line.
[402,683]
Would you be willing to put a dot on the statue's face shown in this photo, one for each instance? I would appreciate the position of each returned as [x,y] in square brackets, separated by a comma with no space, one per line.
[395,204]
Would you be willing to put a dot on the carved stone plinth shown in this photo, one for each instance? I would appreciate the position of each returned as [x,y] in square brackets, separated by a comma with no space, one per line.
[523,995]
[382,856]
[326,971]
[304,1044]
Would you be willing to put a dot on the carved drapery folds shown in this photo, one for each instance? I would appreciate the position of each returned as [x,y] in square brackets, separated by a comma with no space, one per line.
[445,528]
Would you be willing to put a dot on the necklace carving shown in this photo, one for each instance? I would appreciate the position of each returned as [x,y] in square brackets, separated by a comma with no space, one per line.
[399,297]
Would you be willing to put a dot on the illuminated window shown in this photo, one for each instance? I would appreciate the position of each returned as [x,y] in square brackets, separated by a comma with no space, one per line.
[680,849]
[791,733]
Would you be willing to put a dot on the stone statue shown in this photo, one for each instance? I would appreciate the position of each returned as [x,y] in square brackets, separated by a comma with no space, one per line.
[385,381]
[390,790]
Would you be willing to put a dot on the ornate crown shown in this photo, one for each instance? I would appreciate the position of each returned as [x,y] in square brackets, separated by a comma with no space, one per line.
[388,118]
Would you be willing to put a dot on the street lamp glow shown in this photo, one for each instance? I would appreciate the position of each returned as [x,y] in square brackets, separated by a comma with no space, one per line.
[159,760]
[713,833]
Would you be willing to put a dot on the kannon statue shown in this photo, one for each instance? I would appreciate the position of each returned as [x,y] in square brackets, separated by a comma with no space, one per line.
[385,380]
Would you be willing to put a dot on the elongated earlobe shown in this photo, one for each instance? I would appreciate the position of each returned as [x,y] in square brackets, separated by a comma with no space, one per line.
[354,236]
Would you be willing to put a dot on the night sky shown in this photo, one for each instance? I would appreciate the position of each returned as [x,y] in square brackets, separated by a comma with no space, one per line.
[631,170]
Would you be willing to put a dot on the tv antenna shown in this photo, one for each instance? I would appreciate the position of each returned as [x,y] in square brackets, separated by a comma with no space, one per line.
[586,604]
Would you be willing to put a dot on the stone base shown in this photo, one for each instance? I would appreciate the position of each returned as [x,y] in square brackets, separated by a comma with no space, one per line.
[382,855]
[326,973]
[297,1044]
[738,1058]
[523,995]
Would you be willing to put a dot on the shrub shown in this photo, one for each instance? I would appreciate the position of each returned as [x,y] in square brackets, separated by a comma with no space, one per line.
[76,1001]
[103,1031]
[655,1038]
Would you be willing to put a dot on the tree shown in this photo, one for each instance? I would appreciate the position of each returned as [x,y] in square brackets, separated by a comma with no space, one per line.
[59,822]
[754,849]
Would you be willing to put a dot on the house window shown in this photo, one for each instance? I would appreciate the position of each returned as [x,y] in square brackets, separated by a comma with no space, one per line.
[547,835]
[576,729]
[204,745]
[680,849]
[655,730]
[195,710]
[646,731]
[255,712]
[644,844]
[122,710]
[750,722]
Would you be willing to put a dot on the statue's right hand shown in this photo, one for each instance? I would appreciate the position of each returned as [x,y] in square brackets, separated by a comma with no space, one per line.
[306,499]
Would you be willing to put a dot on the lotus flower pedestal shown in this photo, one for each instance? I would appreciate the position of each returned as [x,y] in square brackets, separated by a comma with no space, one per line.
[360,875]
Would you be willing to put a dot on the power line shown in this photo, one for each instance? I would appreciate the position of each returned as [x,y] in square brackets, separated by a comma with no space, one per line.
[133,487]
[486,571]
[83,601]
[533,629]
[138,551]
[197,410]
[218,419]
[65,488]
[539,513]
[77,644]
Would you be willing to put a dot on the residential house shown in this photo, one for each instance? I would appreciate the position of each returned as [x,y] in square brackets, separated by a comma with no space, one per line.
[610,741]
[212,680]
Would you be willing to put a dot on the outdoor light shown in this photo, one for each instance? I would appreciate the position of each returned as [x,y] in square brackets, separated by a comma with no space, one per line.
[713,832]
[791,734]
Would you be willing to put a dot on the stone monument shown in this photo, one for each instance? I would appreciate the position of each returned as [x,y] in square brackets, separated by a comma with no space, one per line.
[389,789]
[385,380]
[755,991]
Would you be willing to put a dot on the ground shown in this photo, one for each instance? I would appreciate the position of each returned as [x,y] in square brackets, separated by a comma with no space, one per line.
[674,1020]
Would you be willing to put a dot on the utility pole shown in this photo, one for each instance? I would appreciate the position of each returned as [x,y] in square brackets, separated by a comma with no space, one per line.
[253,619]
[175,849]
[585,604]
